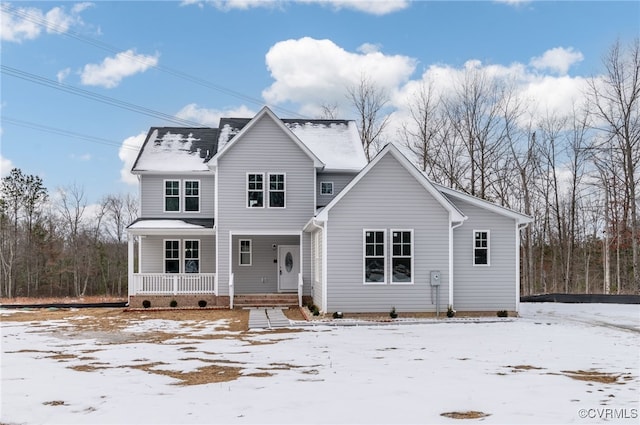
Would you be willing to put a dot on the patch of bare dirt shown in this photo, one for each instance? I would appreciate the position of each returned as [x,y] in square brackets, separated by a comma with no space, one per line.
[468,414]
[63,300]
[596,376]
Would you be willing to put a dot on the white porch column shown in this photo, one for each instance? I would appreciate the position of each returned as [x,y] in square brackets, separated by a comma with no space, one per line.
[130,261]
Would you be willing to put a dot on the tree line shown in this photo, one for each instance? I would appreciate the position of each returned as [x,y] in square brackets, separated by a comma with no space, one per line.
[61,247]
[576,173]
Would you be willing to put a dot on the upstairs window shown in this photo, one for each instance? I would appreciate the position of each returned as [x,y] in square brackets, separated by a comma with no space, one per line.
[172,195]
[255,190]
[401,256]
[481,248]
[192,195]
[276,190]
[374,256]
[172,256]
[192,256]
[326,188]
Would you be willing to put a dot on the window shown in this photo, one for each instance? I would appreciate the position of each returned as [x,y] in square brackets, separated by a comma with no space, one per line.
[172,256]
[192,256]
[276,191]
[245,252]
[401,257]
[192,195]
[255,190]
[171,195]
[374,256]
[326,188]
[481,248]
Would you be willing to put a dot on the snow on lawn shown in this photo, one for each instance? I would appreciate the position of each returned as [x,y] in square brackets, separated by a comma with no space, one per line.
[558,363]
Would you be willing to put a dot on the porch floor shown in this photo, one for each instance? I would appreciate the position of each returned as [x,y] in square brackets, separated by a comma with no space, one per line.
[267,318]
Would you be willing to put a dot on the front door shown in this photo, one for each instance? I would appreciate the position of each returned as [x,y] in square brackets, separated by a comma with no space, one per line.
[288,267]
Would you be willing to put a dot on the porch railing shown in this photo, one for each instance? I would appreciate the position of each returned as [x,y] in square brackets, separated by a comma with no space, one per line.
[174,283]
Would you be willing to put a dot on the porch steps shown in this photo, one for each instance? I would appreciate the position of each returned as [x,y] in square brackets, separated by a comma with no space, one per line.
[265,300]
[267,318]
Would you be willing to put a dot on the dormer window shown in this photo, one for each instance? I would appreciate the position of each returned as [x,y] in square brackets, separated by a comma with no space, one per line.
[255,190]
[326,188]
[172,195]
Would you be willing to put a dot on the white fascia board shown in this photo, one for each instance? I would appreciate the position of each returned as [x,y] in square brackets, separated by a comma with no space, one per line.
[266,111]
[490,206]
[171,232]
[454,213]
[173,173]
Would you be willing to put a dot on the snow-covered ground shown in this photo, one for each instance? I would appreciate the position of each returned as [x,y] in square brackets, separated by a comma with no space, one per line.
[517,371]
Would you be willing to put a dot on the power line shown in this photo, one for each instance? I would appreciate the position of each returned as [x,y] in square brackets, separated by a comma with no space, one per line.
[61,132]
[110,48]
[13,72]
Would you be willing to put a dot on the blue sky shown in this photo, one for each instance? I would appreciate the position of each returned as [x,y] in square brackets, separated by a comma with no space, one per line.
[293,56]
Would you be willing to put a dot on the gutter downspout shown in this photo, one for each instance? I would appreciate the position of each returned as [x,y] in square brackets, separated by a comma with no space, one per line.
[519,227]
[451,228]
[321,227]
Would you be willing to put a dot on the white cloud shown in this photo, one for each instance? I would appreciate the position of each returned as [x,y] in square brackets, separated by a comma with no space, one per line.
[557,60]
[63,74]
[369,48]
[18,24]
[514,2]
[112,70]
[81,7]
[373,7]
[5,166]
[128,153]
[211,117]
[305,67]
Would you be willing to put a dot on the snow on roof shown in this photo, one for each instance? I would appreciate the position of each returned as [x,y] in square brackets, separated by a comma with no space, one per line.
[164,224]
[176,149]
[336,143]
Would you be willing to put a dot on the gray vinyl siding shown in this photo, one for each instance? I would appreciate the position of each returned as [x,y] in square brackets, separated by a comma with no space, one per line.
[484,288]
[387,197]
[153,253]
[340,181]
[262,275]
[152,196]
[265,148]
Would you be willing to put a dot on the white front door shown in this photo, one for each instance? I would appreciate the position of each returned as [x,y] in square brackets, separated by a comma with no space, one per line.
[288,267]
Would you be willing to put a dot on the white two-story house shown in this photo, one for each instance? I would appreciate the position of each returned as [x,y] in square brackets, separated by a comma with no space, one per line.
[290,208]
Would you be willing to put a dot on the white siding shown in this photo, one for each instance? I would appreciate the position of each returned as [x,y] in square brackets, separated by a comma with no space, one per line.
[387,197]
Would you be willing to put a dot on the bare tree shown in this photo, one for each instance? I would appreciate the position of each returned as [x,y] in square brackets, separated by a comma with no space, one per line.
[616,97]
[422,135]
[369,102]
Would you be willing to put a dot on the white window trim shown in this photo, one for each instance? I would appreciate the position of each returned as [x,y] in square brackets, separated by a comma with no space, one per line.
[184,255]
[326,194]
[268,190]
[246,201]
[184,195]
[164,255]
[391,256]
[473,246]
[364,256]
[164,195]
[240,252]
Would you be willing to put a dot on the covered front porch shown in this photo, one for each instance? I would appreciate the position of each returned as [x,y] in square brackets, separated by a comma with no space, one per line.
[265,264]
[173,257]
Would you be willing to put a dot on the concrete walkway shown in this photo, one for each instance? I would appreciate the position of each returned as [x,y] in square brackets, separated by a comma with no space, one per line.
[267,318]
